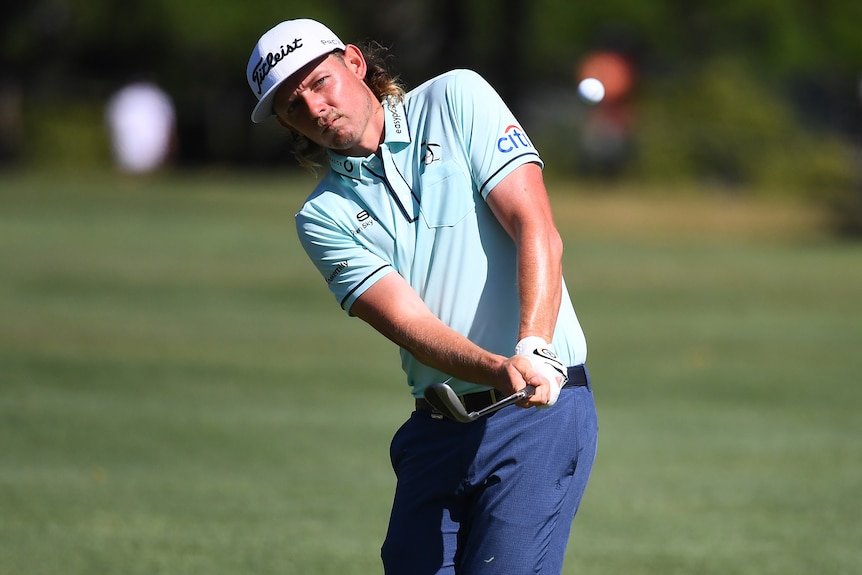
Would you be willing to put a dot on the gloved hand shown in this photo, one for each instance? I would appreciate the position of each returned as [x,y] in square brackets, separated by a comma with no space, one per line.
[545,363]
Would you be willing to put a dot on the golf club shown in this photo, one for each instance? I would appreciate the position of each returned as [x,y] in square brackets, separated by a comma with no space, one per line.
[444,400]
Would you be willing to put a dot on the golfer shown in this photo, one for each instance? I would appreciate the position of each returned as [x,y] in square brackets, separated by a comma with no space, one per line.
[432,224]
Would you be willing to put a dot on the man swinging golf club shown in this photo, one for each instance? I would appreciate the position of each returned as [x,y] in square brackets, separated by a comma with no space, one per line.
[432,224]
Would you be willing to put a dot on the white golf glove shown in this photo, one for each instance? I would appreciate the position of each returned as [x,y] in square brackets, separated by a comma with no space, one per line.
[545,362]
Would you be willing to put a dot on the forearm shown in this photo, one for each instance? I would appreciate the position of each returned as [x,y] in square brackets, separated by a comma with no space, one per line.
[540,283]
[521,205]
[396,311]
[438,346]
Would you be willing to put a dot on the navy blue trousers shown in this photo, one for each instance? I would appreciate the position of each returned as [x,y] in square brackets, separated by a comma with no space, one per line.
[494,496]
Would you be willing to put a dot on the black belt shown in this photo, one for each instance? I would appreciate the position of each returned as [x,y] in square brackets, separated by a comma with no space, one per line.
[578,377]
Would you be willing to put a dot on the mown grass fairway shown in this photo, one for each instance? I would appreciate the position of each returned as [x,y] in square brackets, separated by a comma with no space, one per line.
[179,393]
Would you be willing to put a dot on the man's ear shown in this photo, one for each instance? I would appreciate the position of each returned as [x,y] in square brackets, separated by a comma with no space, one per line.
[355,61]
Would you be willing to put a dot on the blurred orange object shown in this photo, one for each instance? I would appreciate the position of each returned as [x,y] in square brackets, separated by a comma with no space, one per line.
[611,69]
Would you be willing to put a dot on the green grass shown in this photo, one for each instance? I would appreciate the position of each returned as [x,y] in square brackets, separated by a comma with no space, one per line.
[179,393]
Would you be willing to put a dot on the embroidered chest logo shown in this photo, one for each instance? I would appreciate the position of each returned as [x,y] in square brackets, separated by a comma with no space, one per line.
[364,220]
[431,153]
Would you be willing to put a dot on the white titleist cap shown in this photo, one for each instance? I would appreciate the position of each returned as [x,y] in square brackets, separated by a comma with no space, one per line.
[280,53]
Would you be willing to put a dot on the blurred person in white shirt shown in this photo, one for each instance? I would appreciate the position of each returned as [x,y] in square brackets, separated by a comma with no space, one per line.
[142,125]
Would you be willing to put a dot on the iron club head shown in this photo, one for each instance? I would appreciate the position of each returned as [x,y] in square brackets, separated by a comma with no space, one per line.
[447,402]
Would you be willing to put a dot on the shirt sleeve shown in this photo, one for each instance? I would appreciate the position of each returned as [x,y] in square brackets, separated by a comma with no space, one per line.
[348,267]
[494,140]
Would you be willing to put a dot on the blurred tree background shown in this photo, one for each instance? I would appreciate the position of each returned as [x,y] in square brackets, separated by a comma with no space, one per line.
[755,96]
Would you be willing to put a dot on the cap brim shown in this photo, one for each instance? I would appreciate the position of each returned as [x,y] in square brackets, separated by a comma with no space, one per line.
[263,109]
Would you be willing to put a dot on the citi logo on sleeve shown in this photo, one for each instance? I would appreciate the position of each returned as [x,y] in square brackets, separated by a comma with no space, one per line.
[513,139]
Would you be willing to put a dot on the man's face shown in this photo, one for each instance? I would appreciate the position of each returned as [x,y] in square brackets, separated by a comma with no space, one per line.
[329,103]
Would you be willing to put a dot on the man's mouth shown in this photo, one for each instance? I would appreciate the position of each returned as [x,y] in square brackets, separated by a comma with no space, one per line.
[327,124]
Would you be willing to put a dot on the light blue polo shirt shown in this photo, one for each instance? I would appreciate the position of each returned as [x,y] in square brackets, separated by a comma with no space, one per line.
[418,208]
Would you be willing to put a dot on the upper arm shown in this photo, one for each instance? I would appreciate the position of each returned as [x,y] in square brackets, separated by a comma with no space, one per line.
[520,202]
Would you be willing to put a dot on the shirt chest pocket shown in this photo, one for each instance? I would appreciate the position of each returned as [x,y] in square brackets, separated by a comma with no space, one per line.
[447,195]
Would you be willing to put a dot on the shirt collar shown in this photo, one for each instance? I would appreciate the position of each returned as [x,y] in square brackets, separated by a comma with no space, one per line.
[397,131]
[397,136]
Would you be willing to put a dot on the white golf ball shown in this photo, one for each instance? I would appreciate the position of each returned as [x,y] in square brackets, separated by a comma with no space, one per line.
[591,90]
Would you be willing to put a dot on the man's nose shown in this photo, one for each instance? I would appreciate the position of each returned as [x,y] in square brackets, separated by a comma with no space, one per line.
[315,104]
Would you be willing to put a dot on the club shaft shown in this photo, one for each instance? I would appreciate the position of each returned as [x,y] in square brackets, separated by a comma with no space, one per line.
[514,398]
